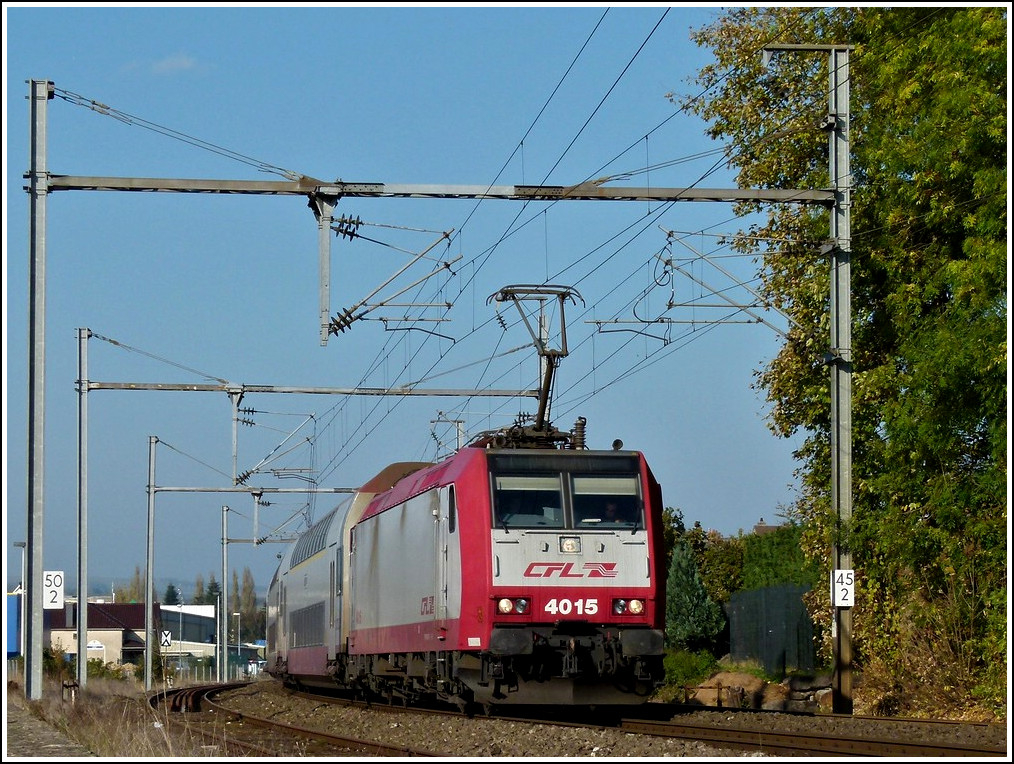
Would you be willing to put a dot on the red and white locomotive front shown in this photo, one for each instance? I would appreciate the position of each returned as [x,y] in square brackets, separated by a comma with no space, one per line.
[512,576]
[575,589]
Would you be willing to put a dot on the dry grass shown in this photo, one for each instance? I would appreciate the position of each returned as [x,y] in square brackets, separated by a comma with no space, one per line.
[113,718]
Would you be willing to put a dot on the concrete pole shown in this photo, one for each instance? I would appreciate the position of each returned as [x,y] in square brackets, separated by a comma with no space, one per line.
[40,93]
[82,506]
[224,620]
[841,367]
[149,585]
[839,357]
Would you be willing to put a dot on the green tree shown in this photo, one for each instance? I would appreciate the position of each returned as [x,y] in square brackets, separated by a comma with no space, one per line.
[721,565]
[693,620]
[719,560]
[775,558]
[171,596]
[206,594]
[697,539]
[214,591]
[928,140]
[673,528]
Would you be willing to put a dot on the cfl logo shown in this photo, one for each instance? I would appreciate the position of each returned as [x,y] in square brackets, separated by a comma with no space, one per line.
[566,570]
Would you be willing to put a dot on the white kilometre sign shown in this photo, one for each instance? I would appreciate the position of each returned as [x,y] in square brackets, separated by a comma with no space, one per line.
[843,587]
[52,590]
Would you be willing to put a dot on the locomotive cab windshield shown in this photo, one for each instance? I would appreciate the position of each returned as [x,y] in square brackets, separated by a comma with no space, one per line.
[585,492]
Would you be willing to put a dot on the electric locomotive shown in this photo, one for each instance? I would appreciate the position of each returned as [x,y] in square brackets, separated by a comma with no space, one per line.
[524,569]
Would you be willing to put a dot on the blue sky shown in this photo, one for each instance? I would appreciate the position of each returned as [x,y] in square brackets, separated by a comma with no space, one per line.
[185,288]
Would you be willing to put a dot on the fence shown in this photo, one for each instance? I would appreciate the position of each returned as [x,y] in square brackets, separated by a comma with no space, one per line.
[771,626]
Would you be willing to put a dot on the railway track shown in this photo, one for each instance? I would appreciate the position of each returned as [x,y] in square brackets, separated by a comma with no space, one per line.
[195,712]
[874,736]
[247,719]
[751,735]
[777,743]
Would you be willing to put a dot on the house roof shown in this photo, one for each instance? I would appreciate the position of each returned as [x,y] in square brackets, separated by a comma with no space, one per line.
[127,616]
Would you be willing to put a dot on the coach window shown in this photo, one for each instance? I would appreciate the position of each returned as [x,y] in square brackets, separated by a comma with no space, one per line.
[331,598]
[527,501]
[451,510]
[607,502]
[338,571]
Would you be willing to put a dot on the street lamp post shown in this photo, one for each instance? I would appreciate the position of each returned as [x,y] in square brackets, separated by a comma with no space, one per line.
[179,636]
[239,624]
[21,623]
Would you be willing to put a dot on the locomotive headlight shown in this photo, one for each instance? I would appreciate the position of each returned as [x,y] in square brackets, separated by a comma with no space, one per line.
[628,607]
[518,606]
[570,544]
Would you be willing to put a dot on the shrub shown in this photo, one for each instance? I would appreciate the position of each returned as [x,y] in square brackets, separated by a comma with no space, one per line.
[685,667]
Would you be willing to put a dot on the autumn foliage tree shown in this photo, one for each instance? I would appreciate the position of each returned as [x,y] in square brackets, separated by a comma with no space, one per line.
[928,252]
[135,590]
[244,599]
